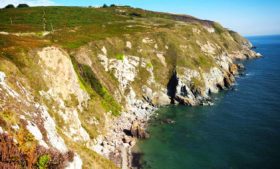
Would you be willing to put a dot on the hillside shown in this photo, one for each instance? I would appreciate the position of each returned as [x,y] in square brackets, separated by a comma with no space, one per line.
[73,79]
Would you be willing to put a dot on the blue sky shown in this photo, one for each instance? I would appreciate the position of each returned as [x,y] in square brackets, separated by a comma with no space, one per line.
[248,17]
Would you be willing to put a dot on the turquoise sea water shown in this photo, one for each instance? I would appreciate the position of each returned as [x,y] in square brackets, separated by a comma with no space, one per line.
[241,131]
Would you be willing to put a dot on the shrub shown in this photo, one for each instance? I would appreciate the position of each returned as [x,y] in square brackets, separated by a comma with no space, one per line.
[105,6]
[197,82]
[135,14]
[120,57]
[9,6]
[218,28]
[22,6]
[113,5]
[149,65]
[43,161]
[92,85]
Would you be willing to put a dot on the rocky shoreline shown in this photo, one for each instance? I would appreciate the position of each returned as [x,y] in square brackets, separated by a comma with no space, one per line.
[125,130]
[123,134]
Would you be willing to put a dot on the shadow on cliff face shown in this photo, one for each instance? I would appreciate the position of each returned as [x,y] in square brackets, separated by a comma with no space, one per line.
[171,86]
[138,162]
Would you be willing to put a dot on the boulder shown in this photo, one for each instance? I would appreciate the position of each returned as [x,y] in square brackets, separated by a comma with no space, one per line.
[232,79]
[258,55]
[228,80]
[132,142]
[221,86]
[196,90]
[185,100]
[142,134]
[2,77]
[253,47]
[137,131]
[147,93]
[126,139]
[241,66]
[233,69]
[161,99]
[134,128]
[168,121]
[207,103]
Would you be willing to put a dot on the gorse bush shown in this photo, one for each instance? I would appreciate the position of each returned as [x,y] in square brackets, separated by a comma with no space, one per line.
[22,6]
[218,28]
[149,65]
[43,161]
[9,6]
[135,14]
[120,56]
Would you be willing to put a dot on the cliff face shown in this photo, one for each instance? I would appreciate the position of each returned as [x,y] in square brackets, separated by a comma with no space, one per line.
[70,94]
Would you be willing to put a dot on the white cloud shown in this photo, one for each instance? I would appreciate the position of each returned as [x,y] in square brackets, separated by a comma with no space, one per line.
[3,3]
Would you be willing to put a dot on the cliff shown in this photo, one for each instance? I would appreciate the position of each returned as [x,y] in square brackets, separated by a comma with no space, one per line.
[76,84]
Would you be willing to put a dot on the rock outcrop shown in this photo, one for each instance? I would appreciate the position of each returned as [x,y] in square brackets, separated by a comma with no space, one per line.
[138,131]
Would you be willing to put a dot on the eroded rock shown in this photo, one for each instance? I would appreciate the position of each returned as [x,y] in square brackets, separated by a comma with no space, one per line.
[161,99]
[233,69]
[138,131]
[185,100]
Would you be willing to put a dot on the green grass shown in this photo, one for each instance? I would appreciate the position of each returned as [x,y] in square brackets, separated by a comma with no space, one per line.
[218,28]
[107,100]
[197,82]
[149,65]
[120,57]
[76,26]
[90,83]
[81,25]
[42,162]
[32,17]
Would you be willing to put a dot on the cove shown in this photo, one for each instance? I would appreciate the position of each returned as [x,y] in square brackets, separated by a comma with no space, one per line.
[240,131]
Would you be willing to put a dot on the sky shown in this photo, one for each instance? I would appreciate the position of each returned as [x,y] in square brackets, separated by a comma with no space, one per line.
[248,17]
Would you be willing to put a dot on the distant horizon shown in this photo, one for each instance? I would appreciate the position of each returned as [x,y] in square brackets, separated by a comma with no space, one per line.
[261,35]
[249,18]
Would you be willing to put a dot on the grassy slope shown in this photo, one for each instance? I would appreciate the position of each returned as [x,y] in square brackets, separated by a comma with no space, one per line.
[75,26]
[111,27]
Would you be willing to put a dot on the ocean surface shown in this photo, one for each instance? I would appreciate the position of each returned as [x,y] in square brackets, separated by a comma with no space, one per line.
[241,130]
